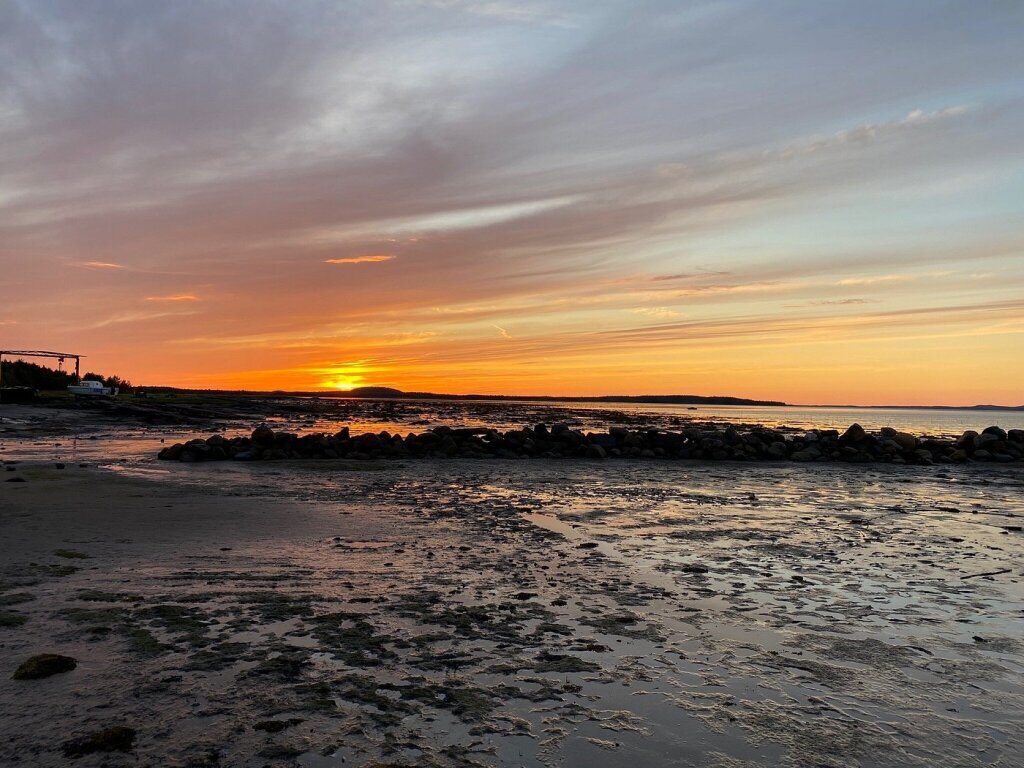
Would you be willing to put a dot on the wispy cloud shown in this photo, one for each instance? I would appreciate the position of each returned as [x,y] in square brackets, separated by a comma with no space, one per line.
[506,10]
[875,279]
[121,318]
[835,303]
[660,313]
[370,259]
[174,297]
[868,132]
[98,265]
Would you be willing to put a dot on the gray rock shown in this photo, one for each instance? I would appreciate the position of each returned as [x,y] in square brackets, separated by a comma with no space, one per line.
[854,434]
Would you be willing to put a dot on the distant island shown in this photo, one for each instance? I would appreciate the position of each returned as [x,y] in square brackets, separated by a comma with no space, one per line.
[390,393]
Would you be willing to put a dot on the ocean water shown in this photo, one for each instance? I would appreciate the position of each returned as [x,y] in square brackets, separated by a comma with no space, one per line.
[402,415]
[94,441]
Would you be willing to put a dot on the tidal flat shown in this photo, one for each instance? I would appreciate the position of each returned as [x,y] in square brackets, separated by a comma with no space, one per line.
[457,613]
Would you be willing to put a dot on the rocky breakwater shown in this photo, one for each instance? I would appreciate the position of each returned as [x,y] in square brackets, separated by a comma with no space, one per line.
[560,441]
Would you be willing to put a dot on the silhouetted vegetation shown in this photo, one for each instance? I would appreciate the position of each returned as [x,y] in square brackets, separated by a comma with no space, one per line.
[18,373]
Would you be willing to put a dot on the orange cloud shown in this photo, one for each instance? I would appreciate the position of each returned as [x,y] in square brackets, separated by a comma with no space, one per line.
[99,265]
[174,297]
[370,259]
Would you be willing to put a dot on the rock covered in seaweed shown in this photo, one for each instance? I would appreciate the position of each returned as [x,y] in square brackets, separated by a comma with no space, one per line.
[44,665]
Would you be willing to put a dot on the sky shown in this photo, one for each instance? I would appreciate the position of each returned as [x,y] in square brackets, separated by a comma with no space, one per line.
[816,202]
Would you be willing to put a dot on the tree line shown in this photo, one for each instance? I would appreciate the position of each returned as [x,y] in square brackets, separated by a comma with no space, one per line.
[18,373]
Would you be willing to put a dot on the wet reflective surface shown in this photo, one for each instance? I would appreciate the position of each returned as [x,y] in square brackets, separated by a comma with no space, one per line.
[535,613]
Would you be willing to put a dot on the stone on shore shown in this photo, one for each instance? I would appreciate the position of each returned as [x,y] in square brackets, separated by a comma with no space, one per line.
[43,665]
[703,443]
[854,434]
[905,441]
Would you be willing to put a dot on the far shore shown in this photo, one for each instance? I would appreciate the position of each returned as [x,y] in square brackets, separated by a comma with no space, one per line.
[47,397]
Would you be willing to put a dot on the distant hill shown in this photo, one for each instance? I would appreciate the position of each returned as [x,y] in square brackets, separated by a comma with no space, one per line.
[381,392]
[397,394]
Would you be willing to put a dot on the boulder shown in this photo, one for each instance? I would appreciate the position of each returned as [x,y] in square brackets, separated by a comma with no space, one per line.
[905,441]
[262,436]
[43,665]
[171,452]
[371,442]
[989,441]
[999,432]
[854,434]
[967,440]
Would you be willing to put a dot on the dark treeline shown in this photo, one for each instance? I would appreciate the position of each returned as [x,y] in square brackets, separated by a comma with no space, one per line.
[18,373]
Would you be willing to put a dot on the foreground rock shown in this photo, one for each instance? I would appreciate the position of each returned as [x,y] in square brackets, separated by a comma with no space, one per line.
[44,665]
[559,441]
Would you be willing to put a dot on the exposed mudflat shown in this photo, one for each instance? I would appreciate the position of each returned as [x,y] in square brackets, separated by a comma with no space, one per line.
[515,613]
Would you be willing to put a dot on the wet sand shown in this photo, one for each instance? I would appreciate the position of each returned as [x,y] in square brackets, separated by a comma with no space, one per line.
[502,613]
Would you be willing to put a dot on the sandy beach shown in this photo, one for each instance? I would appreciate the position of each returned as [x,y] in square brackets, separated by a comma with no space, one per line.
[450,613]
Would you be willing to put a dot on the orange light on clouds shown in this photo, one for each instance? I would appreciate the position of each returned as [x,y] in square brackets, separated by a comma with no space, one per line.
[174,297]
[369,259]
[99,265]
[866,249]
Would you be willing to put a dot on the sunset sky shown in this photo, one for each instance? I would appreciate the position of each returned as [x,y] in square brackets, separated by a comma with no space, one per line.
[805,201]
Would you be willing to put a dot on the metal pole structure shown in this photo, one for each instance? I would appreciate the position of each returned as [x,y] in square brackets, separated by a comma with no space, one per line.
[40,353]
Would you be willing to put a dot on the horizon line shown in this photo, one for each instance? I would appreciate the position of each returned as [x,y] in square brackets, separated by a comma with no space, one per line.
[415,394]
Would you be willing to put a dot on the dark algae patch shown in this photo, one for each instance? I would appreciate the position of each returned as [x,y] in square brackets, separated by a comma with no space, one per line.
[562,663]
[142,642]
[353,639]
[276,726]
[11,619]
[44,665]
[71,554]
[119,738]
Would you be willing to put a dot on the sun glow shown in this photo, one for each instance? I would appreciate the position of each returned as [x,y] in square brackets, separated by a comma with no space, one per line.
[341,383]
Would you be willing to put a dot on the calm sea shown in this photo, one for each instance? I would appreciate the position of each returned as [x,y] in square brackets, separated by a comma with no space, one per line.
[417,415]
